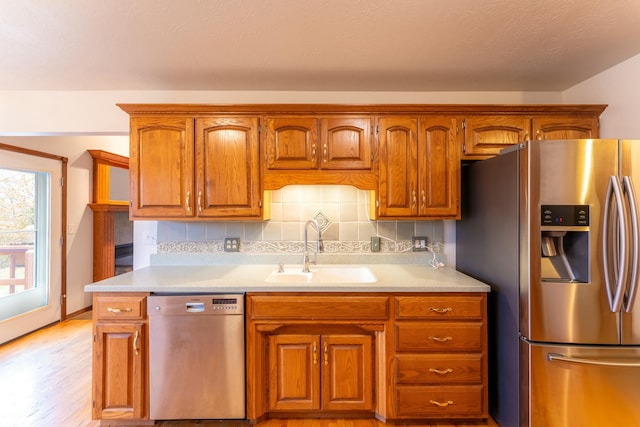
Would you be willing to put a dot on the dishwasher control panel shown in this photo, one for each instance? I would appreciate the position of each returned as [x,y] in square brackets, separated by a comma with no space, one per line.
[211,304]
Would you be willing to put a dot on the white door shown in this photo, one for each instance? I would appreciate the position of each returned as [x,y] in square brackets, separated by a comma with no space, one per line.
[30,243]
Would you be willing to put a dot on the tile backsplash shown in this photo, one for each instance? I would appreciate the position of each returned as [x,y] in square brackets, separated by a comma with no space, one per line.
[341,211]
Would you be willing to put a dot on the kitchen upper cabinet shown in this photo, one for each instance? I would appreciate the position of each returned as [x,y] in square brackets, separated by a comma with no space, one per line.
[186,168]
[161,167]
[565,127]
[320,372]
[487,135]
[327,142]
[419,172]
[227,168]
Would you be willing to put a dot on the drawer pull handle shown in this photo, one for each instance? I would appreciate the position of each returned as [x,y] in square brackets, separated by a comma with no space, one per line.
[119,310]
[441,371]
[438,339]
[440,310]
[441,404]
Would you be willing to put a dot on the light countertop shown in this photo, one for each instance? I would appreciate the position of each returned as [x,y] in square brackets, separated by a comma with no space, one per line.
[252,278]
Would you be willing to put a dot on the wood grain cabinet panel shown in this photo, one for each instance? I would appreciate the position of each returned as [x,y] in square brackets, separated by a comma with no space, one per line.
[565,127]
[439,365]
[320,372]
[419,170]
[119,386]
[487,135]
[186,168]
[227,168]
[161,167]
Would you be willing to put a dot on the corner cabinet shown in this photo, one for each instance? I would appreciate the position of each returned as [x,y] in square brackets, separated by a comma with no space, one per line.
[419,172]
[119,357]
[186,168]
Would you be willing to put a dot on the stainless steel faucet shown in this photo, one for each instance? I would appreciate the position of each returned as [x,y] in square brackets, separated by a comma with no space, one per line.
[305,250]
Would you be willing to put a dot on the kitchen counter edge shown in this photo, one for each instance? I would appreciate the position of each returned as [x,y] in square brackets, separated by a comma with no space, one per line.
[252,278]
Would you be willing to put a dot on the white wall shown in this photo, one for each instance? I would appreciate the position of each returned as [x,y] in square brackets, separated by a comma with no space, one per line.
[619,87]
[96,112]
[79,216]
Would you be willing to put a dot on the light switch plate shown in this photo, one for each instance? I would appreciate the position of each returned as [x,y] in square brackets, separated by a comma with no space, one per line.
[231,244]
[375,244]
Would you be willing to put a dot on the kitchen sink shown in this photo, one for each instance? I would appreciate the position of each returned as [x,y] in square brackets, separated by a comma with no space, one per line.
[323,275]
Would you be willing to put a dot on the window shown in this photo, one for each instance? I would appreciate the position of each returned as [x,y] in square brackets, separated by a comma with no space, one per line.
[24,238]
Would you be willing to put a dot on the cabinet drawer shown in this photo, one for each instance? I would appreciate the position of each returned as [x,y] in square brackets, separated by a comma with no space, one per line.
[127,307]
[439,336]
[309,307]
[438,368]
[443,402]
[439,307]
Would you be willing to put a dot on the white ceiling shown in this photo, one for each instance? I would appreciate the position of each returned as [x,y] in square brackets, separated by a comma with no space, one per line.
[319,45]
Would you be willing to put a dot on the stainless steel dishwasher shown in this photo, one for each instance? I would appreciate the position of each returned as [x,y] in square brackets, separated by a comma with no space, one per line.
[196,357]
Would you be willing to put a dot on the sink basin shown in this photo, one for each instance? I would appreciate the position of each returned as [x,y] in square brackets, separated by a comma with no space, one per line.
[323,275]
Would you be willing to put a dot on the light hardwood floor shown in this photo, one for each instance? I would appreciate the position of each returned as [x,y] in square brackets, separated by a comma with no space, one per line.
[45,381]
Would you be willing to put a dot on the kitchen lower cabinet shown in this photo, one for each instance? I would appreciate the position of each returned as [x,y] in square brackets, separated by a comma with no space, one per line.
[320,372]
[119,357]
[398,357]
[440,357]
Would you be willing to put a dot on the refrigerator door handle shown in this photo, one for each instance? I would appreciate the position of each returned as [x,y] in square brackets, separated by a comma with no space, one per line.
[614,193]
[561,358]
[633,207]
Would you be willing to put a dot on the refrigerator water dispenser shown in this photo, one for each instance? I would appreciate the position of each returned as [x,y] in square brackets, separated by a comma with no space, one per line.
[564,239]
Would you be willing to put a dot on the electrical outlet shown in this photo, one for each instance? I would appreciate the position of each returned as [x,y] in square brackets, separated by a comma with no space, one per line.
[419,244]
[231,244]
[375,244]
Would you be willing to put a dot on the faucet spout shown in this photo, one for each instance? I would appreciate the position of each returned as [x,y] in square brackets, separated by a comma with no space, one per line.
[305,250]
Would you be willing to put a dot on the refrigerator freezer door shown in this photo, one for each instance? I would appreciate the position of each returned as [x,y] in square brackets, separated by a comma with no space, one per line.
[630,169]
[581,386]
[567,173]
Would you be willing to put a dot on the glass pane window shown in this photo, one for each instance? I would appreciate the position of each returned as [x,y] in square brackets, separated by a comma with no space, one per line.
[24,241]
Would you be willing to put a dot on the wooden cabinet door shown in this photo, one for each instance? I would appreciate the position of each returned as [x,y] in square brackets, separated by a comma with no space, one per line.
[438,167]
[292,142]
[487,135]
[398,151]
[119,371]
[346,142]
[565,127]
[227,169]
[294,372]
[161,167]
[347,373]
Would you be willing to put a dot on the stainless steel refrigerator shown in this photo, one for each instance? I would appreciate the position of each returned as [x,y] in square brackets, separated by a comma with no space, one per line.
[552,226]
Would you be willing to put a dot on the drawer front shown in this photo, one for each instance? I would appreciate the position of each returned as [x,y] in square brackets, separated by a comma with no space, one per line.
[450,401]
[113,307]
[440,307]
[318,307]
[439,336]
[438,368]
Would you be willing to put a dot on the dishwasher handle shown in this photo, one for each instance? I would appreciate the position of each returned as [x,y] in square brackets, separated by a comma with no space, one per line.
[194,307]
